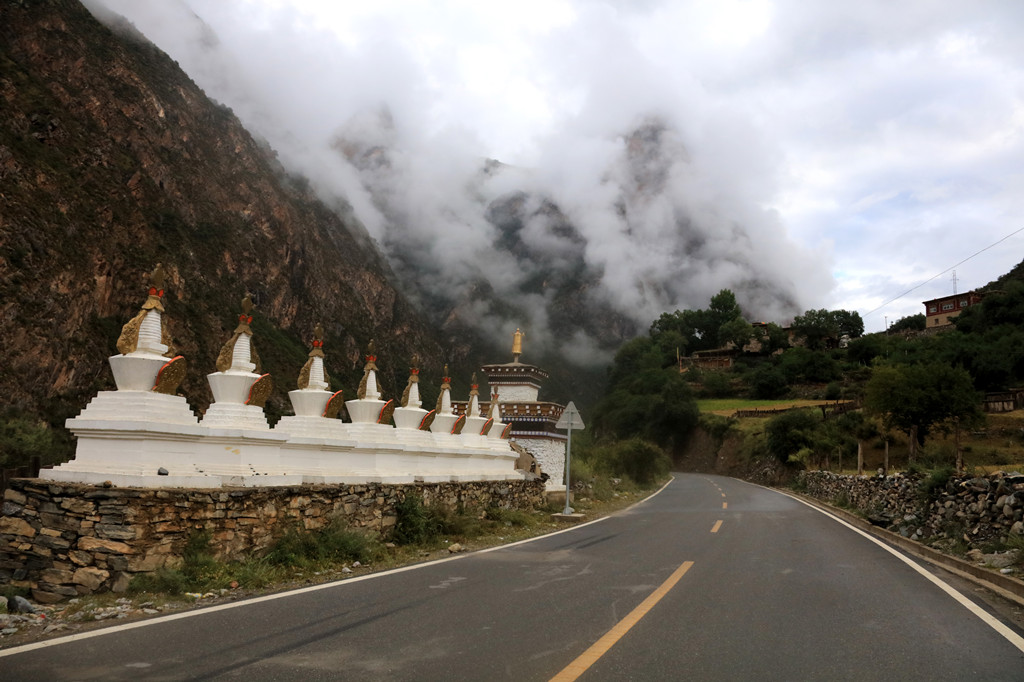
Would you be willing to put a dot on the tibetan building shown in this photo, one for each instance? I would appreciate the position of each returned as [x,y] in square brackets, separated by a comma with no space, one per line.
[515,387]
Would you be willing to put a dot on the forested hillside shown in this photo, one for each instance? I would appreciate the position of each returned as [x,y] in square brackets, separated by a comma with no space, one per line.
[112,160]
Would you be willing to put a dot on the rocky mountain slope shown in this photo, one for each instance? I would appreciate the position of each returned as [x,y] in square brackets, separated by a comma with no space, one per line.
[111,160]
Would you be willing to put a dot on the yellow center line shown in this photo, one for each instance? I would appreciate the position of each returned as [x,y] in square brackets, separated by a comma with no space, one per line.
[718,524]
[601,646]
[725,505]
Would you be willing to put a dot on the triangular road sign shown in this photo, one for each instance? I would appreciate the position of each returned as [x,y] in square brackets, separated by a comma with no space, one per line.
[570,419]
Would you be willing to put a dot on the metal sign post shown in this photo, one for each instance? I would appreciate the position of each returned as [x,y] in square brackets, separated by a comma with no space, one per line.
[569,420]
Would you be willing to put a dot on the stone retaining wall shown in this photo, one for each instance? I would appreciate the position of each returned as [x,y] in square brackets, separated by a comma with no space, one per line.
[975,510]
[64,539]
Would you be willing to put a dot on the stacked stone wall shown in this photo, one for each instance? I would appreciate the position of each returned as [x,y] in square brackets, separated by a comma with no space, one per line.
[62,539]
[975,510]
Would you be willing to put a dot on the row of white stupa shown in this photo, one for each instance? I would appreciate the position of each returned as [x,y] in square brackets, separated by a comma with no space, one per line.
[144,435]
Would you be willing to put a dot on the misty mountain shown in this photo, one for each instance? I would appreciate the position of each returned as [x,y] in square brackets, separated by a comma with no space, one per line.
[627,214]
[111,160]
[500,251]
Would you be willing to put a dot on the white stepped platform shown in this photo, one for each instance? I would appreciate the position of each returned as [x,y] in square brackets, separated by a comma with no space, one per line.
[126,437]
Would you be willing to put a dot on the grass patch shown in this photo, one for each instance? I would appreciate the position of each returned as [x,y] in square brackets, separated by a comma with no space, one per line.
[298,549]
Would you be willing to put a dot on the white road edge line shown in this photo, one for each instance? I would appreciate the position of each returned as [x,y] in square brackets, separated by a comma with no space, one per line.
[1011,636]
[302,590]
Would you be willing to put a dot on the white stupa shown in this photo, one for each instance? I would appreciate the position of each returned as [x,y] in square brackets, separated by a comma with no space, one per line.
[410,418]
[370,413]
[239,388]
[146,372]
[445,419]
[477,427]
[316,408]
[143,430]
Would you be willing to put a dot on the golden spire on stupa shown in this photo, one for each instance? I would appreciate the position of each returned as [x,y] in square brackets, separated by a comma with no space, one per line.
[517,344]
[128,341]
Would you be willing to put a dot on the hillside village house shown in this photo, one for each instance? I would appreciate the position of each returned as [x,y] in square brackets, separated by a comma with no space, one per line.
[940,312]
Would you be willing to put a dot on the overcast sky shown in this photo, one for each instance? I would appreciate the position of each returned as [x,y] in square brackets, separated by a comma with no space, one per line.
[867,145]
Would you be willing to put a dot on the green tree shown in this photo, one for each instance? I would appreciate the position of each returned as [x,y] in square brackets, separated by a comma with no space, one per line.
[685,323]
[645,399]
[1002,306]
[790,432]
[736,331]
[822,328]
[803,365]
[773,338]
[23,438]
[989,338]
[849,322]
[918,398]
[724,305]
[909,323]
[866,348]
[816,327]
[700,329]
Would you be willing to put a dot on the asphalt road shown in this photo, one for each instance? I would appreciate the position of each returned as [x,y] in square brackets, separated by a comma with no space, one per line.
[775,591]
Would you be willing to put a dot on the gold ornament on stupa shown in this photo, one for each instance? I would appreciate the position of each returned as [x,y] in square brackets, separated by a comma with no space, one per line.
[371,365]
[316,351]
[414,378]
[446,385]
[128,341]
[227,350]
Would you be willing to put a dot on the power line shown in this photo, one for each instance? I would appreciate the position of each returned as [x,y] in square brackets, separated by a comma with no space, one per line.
[896,298]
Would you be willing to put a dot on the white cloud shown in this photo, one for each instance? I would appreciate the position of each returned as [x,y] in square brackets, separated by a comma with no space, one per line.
[880,141]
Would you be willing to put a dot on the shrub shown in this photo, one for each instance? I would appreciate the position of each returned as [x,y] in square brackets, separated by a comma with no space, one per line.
[199,571]
[334,542]
[768,382]
[198,561]
[415,523]
[602,489]
[640,460]
[164,579]
[833,391]
[801,458]
[801,364]
[790,432]
[717,385]
[935,482]
[715,425]
[22,438]
[580,468]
